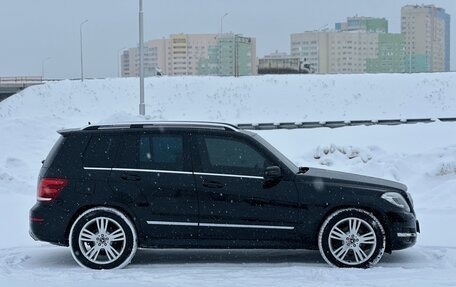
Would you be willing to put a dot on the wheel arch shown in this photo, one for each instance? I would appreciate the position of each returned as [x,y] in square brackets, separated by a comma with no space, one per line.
[121,209]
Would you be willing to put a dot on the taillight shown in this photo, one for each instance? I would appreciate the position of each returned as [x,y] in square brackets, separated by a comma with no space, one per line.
[49,188]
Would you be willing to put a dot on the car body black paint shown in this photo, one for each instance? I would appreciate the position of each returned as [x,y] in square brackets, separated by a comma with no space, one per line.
[295,205]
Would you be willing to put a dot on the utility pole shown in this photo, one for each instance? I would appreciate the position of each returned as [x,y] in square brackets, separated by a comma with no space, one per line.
[142,106]
[82,59]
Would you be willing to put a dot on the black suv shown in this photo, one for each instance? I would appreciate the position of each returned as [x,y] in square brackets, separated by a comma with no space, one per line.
[106,190]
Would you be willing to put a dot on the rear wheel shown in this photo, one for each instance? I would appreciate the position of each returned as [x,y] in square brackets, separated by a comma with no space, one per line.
[103,238]
[352,238]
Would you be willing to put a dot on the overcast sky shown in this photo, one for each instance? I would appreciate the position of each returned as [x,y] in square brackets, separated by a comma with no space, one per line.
[33,30]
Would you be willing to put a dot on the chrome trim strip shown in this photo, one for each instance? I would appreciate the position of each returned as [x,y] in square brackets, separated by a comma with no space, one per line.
[39,198]
[219,225]
[406,234]
[152,170]
[228,175]
[97,168]
[172,223]
[246,226]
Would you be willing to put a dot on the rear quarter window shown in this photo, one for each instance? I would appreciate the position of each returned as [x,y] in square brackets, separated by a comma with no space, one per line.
[101,151]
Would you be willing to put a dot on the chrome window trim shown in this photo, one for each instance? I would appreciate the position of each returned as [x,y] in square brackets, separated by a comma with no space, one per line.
[228,175]
[97,168]
[203,224]
[152,170]
[171,171]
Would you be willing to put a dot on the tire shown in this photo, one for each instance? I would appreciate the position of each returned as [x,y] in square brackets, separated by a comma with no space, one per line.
[103,238]
[352,238]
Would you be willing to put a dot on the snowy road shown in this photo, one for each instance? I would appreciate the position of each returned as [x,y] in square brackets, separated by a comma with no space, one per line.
[46,265]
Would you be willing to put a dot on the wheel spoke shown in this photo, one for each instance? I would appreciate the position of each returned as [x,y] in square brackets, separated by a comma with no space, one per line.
[117,235]
[341,252]
[354,225]
[87,235]
[368,238]
[359,254]
[94,254]
[338,234]
[111,252]
[102,225]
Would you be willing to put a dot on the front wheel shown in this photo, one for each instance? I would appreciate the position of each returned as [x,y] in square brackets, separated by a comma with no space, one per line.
[352,238]
[103,238]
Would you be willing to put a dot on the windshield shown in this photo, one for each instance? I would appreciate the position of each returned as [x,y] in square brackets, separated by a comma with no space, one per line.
[276,152]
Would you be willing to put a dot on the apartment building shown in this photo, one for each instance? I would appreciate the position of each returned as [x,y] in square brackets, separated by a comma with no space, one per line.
[193,54]
[426,30]
[359,45]
[232,55]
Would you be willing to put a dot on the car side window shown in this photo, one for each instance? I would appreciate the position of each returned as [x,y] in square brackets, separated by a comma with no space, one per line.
[161,152]
[101,151]
[230,156]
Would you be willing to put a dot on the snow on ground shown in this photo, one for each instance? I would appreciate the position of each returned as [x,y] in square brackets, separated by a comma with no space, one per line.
[423,156]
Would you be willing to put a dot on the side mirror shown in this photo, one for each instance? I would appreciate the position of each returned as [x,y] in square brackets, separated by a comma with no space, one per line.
[273,173]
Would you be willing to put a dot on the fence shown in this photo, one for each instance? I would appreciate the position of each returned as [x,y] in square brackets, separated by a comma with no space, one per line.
[339,124]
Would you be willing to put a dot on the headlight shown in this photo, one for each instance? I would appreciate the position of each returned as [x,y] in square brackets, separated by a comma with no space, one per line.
[396,199]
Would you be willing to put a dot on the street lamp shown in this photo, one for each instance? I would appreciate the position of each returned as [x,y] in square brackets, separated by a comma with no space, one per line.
[142,106]
[82,59]
[221,22]
[42,67]
[119,73]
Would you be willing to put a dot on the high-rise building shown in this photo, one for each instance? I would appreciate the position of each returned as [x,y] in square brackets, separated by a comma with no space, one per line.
[390,55]
[426,29]
[231,55]
[349,52]
[363,24]
[360,45]
[153,61]
[193,54]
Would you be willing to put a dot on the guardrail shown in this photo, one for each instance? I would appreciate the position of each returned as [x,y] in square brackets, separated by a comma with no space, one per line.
[339,124]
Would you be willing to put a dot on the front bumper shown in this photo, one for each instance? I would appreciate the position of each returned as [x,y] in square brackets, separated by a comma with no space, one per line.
[403,230]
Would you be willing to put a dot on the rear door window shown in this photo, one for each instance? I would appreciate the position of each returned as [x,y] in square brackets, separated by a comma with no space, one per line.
[161,152]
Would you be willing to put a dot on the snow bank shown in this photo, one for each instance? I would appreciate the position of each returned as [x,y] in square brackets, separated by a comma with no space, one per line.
[244,99]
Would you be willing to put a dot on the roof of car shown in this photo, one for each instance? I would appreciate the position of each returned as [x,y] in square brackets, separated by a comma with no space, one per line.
[156,124]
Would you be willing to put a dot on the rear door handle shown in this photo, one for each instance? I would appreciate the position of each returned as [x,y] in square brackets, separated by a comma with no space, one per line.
[130,176]
[213,184]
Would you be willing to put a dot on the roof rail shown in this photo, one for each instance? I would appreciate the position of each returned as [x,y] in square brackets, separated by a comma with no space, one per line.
[150,124]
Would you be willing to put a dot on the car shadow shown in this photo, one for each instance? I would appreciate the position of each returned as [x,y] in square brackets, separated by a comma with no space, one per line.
[231,256]
[61,257]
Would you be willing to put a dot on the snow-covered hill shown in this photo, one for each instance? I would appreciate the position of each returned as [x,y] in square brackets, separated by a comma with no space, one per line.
[423,156]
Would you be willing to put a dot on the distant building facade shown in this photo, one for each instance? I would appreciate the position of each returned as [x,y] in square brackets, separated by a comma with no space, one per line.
[363,24]
[231,55]
[193,54]
[426,29]
[360,45]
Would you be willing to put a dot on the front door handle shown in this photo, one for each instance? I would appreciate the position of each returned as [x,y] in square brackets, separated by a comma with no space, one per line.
[130,176]
[213,184]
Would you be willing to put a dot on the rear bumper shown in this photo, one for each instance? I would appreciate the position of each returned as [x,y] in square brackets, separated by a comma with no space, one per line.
[46,225]
[403,230]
